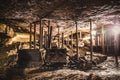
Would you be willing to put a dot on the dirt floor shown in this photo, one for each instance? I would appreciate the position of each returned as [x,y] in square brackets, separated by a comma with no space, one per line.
[105,71]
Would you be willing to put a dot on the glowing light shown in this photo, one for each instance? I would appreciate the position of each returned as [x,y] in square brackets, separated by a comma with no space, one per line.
[86,38]
[103,31]
[93,32]
[116,29]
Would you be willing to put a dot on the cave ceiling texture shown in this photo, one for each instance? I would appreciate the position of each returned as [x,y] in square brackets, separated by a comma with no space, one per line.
[23,12]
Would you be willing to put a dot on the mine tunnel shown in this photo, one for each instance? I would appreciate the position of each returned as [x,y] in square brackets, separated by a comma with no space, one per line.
[59,39]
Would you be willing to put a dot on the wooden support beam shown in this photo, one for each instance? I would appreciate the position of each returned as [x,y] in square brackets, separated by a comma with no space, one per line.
[62,40]
[48,43]
[67,40]
[98,38]
[49,34]
[50,37]
[111,41]
[72,41]
[30,46]
[103,40]
[80,35]
[45,39]
[43,32]
[34,35]
[116,47]
[7,29]
[91,46]
[41,35]
[48,28]
[96,41]
[77,50]
[108,42]
[58,37]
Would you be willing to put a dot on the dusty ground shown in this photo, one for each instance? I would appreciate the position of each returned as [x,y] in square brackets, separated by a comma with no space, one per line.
[108,72]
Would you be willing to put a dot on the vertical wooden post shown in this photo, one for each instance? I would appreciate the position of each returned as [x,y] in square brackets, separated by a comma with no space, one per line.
[77,41]
[67,40]
[109,43]
[34,35]
[98,38]
[48,27]
[103,40]
[116,46]
[30,35]
[45,39]
[62,40]
[91,46]
[50,37]
[58,37]
[41,35]
[80,35]
[7,29]
[72,41]
[48,34]
[42,38]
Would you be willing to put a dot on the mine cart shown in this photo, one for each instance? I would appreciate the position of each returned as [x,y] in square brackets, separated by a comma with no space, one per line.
[29,58]
[55,57]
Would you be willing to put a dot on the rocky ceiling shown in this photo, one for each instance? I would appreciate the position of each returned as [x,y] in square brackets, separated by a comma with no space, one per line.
[23,12]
